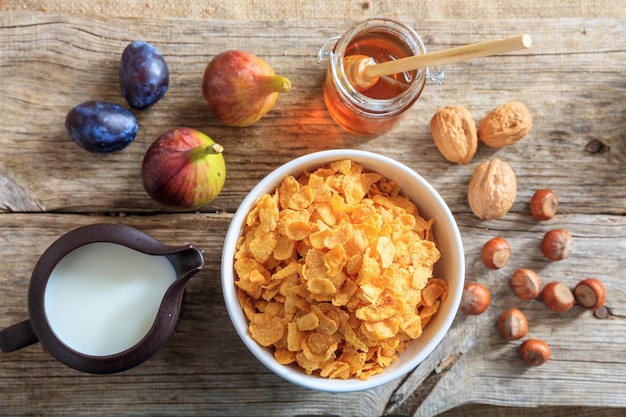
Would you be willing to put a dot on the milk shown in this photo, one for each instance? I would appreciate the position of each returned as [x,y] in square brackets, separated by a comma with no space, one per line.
[102,298]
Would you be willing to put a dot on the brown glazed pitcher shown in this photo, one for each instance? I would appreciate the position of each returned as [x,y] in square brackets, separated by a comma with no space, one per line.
[184,262]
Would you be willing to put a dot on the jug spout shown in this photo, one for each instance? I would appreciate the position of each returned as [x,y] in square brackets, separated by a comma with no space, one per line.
[186,262]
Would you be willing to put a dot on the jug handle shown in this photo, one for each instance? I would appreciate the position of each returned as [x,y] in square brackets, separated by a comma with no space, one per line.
[17,336]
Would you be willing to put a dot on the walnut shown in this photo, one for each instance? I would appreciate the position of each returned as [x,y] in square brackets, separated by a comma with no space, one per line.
[454,132]
[492,189]
[505,125]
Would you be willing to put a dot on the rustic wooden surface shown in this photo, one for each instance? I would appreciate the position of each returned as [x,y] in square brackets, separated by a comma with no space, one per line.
[573,81]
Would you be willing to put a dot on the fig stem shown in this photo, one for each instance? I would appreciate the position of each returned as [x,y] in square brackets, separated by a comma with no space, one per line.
[215,148]
[201,151]
[277,83]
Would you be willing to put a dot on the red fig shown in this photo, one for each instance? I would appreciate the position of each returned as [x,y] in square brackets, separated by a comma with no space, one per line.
[239,88]
[183,169]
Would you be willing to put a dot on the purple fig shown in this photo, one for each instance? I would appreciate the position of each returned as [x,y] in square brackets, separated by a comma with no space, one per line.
[183,169]
[239,88]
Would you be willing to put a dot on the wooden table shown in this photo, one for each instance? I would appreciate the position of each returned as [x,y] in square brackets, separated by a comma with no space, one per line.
[573,81]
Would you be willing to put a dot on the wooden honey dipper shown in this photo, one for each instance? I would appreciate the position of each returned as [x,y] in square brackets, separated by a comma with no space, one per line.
[363,72]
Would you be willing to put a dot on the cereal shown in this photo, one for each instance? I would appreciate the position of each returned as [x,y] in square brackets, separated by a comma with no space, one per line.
[334,271]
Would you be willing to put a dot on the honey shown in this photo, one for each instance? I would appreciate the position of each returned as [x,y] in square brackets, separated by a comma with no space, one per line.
[378,109]
[383,47]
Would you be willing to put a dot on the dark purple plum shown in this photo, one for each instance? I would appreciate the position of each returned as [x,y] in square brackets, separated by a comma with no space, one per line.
[101,127]
[144,76]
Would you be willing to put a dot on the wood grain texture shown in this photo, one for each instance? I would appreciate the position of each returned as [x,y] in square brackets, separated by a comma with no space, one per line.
[572,80]
[278,10]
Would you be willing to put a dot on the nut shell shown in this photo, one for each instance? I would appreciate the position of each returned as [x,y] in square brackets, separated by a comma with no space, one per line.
[495,253]
[513,324]
[557,297]
[454,133]
[505,125]
[544,204]
[492,189]
[525,283]
[475,299]
[556,244]
[534,352]
[590,293]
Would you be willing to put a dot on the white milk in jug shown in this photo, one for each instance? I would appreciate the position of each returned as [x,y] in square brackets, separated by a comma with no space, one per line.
[102,298]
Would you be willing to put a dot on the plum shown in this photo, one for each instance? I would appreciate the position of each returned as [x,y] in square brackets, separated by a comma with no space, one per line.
[144,75]
[101,127]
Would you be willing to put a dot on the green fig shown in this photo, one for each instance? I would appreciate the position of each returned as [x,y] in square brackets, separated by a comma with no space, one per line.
[239,88]
[183,169]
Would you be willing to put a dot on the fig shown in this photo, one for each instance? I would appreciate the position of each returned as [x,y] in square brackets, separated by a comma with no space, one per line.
[183,169]
[239,88]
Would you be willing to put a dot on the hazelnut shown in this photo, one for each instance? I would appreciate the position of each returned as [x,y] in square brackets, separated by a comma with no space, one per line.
[556,244]
[557,297]
[495,253]
[543,204]
[492,189]
[512,324]
[535,352]
[475,299]
[525,283]
[454,133]
[505,125]
[590,294]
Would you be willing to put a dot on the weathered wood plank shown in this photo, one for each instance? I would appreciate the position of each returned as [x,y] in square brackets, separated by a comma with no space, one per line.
[586,351]
[572,81]
[206,370]
[203,370]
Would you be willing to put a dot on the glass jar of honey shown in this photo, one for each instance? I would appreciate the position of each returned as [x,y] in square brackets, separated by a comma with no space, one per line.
[376,110]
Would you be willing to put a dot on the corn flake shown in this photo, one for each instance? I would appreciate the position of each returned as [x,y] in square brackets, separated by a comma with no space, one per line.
[334,271]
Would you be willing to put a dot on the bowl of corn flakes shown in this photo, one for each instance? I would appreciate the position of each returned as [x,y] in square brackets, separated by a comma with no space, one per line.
[342,270]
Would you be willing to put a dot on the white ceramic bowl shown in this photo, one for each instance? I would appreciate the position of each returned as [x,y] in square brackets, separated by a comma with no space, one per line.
[451,267]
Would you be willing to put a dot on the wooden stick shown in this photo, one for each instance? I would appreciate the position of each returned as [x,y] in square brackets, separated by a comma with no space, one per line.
[448,56]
